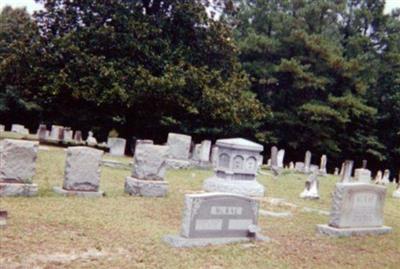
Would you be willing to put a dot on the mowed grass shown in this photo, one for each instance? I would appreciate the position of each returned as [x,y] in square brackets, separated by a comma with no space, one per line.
[119,231]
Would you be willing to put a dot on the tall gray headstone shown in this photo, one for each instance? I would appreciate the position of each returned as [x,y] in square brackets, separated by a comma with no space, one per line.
[55,132]
[274,156]
[179,150]
[116,145]
[82,172]
[357,209]
[307,162]
[347,171]
[148,175]
[280,157]
[236,169]
[322,166]
[17,167]
[216,218]
[386,177]
[205,151]
[214,156]
[42,132]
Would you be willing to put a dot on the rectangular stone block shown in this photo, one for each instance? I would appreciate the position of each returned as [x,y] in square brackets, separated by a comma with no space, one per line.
[116,146]
[82,169]
[362,175]
[17,128]
[17,160]
[2,128]
[218,215]
[357,205]
[179,145]
[150,162]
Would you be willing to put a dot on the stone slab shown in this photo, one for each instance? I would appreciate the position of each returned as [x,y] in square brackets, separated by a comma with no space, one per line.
[178,164]
[18,189]
[242,187]
[89,194]
[146,188]
[183,242]
[179,145]
[150,162]
[346,232]
[116,146]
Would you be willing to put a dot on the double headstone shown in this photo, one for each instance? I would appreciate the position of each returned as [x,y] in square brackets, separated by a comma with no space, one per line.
[179,150]
[116,146]
[82,172]
[17,167]
[236,168]
[148,175]
[357,209]
[216,218]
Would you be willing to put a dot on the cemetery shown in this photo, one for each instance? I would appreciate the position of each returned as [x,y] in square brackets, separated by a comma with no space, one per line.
[199,134]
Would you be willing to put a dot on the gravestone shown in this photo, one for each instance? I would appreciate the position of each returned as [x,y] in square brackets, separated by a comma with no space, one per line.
[68,134]
[55,132]
[364,164]
[307,162]
[347,171]
[42,132]
[214,156]
[322,166]
[82,172]
[196,153]
[386,176]
[291,166]
[17,167]
[216,218]
[357,209]
[17,128]
[78,137]
[311,190]
[274,157]
[236,169]
[2,128]
[362,175]
[205,151]
[336,172]
[148,175]
[378,177]
[299,167]
[280,157]
[341,169]
[179,150]
[116,146]
[396,193]
[91,140]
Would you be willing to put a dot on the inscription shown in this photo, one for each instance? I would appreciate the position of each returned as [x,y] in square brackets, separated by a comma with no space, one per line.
[226,210]
[239,224]
[208,224]
[365,200]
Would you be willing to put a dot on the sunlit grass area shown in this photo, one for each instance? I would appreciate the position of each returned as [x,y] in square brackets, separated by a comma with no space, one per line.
[119,231]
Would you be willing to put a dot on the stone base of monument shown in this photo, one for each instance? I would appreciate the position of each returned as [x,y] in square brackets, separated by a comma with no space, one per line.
[346,232]
[178,164]
[18,189]
[89,194]
[243,187]
[147,188]
[396,194]
[179,241]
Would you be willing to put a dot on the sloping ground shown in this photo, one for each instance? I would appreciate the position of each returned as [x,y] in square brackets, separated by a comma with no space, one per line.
[118,231]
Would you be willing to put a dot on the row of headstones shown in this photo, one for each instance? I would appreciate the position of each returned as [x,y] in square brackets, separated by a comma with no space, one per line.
[208,218]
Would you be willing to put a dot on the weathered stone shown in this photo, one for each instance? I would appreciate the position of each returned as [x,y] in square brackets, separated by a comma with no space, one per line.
[42,132]
[274,156]
[18,189]
[280,157]
[386,176]
[299,166]
[179,145]
[205,151]
[236,169]
[55,132]
[116,146]
[362,175]
[357,208]
[68,134]
[17,128]
[214,156]
[2,128]
[78,136]
[91,140]
[364,164]
[82,169]
[311,190]
[147,188]
[322,166]
[87,194]
[291,166]
[396,193]
[17,160]
[210,218]
[336,172]
[196,152]
[347,171]
[307,162]
[150,162]
[378,177]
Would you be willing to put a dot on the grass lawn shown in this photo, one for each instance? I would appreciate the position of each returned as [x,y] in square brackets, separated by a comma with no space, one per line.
[119,231]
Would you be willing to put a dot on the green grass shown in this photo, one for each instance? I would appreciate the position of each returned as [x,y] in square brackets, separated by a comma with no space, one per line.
[119,231]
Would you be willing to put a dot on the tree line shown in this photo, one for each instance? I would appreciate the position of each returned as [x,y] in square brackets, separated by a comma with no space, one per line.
[319,75]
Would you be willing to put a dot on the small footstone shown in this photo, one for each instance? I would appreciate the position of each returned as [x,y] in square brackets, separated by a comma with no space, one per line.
[345,232]
[148,188]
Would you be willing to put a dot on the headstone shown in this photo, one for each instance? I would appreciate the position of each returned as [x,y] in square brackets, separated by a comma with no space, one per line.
[291,166]
[341,169]
[91,140]
[216,218]
[378,177]
[236,169]
[205,151]
[347,171]
[313,168]
[307,162]
[82,172]
[148,175]
[196,153]
[17,167]
[386,176]
[214,156]
[274,157]
[311,190]
[3,218]
[179,151]
[2,128]
[280,158]
[364,164]
[17,128]
[68,134]
[336,172]
[42,132]
[357,209]
[362,175]
[55,132]
[396,193]
[299,167]
[78,136]
[322,166]
[116,146]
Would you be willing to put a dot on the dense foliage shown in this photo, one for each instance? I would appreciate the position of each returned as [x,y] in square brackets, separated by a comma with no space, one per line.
[322,75]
